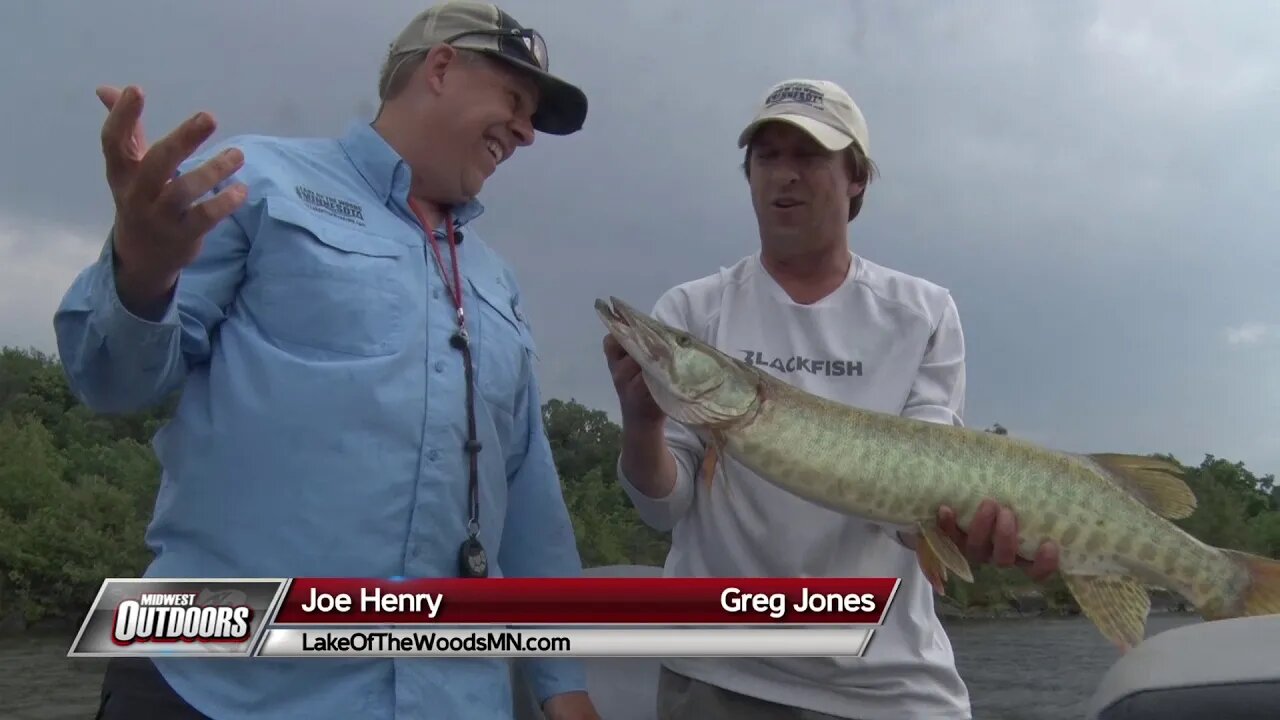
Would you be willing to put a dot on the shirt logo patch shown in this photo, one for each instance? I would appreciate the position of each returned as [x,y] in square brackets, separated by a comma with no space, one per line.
[342,209]
[813,366]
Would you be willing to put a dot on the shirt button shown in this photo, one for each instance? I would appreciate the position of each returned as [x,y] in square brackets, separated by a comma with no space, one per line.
[433,455]
[439,366]
[436,293]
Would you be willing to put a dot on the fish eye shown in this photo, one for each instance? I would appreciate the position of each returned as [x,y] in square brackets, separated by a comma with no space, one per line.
[683,340]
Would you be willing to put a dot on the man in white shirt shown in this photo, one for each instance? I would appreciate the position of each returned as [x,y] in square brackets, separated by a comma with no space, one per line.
[814,314]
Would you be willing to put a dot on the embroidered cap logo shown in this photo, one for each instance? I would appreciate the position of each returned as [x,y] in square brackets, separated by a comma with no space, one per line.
[800,93]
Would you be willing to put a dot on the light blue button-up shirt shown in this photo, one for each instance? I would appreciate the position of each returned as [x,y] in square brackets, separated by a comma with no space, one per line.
[322,420]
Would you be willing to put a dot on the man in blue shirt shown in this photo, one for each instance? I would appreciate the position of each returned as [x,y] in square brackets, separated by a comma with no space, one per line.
[289,290]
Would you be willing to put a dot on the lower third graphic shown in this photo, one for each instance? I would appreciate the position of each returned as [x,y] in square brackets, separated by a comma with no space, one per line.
[150,617]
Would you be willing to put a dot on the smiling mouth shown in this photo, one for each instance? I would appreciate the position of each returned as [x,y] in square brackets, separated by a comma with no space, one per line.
[495,150]
[786,204]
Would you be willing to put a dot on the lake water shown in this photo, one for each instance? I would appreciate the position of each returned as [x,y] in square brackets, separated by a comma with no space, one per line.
[1037,669]
[1028,669]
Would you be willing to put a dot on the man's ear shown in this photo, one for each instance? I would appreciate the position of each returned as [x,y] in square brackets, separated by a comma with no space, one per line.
[440,59]
[856,188]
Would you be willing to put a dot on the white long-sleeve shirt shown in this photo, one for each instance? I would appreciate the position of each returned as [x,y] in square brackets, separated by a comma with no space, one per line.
[884,341]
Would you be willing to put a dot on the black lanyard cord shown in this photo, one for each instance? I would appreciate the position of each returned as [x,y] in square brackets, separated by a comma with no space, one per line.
[472,561]
[471,557]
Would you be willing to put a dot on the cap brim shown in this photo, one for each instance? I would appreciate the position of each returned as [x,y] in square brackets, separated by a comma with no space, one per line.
[562,106]
[826,136]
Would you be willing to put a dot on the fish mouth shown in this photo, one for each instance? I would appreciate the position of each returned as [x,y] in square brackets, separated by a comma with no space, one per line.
[608,312]
[654,346]
[613,319]
[643,341]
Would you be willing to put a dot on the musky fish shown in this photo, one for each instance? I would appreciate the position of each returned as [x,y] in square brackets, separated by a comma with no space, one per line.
[1109,513]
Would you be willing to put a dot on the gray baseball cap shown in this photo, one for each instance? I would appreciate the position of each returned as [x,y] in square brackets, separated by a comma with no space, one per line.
[486,28]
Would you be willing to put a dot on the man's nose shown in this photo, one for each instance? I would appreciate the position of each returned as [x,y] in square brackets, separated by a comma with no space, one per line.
[522,129]
[786,174]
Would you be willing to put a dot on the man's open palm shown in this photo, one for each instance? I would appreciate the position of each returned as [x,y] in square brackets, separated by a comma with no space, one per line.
[159,225]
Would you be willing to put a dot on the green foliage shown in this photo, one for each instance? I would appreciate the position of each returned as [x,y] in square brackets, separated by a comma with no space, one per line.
[585,444]
[1234,507]
[77,490]
[74,497]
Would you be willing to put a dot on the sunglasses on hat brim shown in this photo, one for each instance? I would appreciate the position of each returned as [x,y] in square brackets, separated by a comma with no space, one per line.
[521,44]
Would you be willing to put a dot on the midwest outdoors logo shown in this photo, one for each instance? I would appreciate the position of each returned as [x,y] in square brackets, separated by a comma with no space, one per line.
[801,93]
[800,364]
[341,209]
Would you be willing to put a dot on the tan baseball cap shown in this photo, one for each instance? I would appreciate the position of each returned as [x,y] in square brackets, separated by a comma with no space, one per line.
[486,28]
[819,107]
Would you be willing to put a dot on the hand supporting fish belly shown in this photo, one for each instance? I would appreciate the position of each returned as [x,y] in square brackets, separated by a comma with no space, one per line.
[1108,515]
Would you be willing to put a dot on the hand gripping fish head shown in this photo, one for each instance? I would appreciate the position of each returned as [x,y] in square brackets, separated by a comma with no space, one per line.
[691,381]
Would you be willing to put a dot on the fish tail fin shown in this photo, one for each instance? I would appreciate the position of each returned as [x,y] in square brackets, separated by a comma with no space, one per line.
[1260,594]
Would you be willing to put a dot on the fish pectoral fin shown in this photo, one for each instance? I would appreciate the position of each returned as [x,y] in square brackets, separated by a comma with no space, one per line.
[1116,604]
[936,550]
[710,463]
[1157,483]
[713,458]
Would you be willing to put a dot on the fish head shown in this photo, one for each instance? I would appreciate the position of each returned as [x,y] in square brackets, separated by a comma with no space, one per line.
[690,380]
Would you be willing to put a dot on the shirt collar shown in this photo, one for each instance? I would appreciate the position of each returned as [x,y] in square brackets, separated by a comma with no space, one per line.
[388,174]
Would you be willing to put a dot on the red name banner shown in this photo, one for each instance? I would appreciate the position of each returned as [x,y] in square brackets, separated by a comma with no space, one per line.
[586,601]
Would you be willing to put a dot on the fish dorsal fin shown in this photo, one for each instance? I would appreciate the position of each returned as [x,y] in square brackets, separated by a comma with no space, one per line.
[1155,482]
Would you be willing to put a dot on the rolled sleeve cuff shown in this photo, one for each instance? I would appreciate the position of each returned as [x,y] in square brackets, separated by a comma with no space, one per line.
[115,321]
[934,414]
[548,677]
[661,512]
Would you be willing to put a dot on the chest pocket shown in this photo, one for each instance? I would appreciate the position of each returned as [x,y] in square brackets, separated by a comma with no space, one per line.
[317,284]
[504,359]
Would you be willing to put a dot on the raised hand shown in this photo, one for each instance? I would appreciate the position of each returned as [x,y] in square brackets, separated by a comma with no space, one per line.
[159,226]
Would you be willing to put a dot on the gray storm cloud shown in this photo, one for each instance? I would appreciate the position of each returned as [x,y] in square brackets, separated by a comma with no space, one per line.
[1095,182]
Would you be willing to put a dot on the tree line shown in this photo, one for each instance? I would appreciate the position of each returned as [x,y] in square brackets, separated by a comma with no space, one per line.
[77,491]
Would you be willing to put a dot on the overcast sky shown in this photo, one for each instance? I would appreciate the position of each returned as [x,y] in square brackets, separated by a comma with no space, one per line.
[1095,183]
